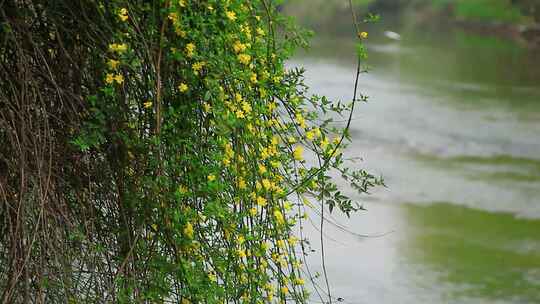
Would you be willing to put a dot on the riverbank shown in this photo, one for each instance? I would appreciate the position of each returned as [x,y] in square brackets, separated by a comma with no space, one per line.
[499,19]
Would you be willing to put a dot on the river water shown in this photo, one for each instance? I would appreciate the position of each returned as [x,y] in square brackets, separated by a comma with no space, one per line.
[453,125]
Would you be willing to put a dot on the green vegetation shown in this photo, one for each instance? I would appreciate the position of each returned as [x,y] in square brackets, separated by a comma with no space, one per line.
[482,10]
[153,152]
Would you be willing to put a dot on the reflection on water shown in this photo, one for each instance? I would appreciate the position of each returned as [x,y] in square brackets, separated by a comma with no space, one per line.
[454,118]
[491,255]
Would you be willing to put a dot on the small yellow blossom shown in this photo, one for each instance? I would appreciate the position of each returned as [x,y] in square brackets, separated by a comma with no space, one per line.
[182,3]
[190,49]
[300,119]
[260,31]
[109,78]
[241,253]
[292,240]
[310,135]
[119,48]
[262,169]
[253,211]
[211,177]
[197,66]
[266,184]
[244,58]
[261,201]
[173,16]
[147,104]
[240,114]
[297,153]
[253,78]
[188,230]
[113,64]
[183,189]
[123,14]
[324,143]
[279,217]
[119,79]
[230,15]
[183,87]
[239,47]
[284,290]
[207,107]
[299,281]
[246,107]
[363,35]
[242,183]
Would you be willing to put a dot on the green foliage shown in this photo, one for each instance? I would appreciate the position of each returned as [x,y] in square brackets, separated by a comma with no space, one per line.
[483,10]
[187,171]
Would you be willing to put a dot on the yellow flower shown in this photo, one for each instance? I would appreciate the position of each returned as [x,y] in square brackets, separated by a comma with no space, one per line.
[183,87]
[261,201]
[266,184]
[301,121]
[310,135]
[147,104]
[253,78]
[197,66]
[363,35]
[262,169]
[292,240]
[109,78]
[324,143]
[188,230]
[242,183]
[240,114]
[279,217]
[231,15]
[287,206]
[173,16]
[291,140]
[281,244]
[183,189]
[253,211]
[239,47]
[120,48]
[207,107]
[119,79]
[190,49]
[113,64]
[211,177]
[299,281]
[284,290]
[260,31]
[246,107]
[241,253]
[297,153]
[244,58]
[123,14]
